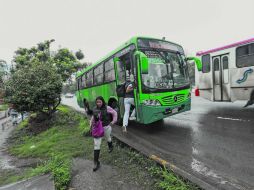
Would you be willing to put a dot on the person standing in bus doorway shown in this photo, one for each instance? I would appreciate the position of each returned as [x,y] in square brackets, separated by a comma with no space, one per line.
[102,112]
[128,101]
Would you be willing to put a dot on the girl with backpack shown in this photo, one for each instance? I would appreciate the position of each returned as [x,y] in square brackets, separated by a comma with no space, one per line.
[101,126]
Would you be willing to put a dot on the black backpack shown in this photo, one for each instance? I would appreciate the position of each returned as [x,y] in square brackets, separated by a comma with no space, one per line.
[120,90]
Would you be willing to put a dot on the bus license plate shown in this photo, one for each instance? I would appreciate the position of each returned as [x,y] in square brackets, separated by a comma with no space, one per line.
[175,110]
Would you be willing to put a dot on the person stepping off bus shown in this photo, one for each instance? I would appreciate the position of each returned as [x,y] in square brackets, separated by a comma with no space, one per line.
[101,117]
[128,101]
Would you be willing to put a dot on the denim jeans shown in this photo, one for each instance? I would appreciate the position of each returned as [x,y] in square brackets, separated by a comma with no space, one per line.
[127,105]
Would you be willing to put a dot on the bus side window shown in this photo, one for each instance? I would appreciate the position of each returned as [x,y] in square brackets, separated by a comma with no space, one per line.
[245,56]
[89,78]
[206,63]
[121,72]
[109,71]
[98,74]
[82,83]
[126,59]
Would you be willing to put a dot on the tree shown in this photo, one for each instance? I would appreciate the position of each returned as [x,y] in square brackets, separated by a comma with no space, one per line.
[69,87]
[3,76]
[36,82]
[64,60]
[79,55]
[36,88]
[66,63]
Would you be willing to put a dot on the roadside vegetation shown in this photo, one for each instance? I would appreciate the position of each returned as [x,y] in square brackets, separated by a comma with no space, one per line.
[56,141]
[3,107]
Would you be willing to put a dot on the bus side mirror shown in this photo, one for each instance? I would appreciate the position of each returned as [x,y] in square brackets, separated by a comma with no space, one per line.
[116,59]
[197,62]
[144,65]
[142,58]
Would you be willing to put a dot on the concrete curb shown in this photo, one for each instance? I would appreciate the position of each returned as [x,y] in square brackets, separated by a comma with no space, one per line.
[170,166]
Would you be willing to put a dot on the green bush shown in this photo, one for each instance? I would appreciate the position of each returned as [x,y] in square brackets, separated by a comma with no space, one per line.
[55,145]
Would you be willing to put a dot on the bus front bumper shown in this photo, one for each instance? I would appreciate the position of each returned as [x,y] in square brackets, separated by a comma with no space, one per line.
[149,114]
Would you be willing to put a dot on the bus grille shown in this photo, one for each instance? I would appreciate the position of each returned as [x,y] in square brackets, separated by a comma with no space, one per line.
[174,99]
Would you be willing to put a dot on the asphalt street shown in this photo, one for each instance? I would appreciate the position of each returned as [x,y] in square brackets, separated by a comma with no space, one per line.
[213,142]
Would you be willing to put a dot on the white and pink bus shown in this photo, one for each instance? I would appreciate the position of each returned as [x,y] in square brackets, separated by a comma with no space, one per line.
[227,72]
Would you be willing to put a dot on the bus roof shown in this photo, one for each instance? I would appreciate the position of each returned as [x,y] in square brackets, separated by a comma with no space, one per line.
[133,40]
[225,47]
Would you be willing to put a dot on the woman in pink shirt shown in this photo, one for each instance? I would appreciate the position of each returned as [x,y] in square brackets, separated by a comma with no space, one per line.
[103,112]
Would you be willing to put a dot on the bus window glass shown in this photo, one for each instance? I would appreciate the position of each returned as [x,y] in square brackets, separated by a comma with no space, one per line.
[109,71]
[245,56]
[167,70]
[225,62]
[251,48]
[98,74]
[83,81]
[241,51]
[206,63]
[89,78]
[121,72]
[216,64]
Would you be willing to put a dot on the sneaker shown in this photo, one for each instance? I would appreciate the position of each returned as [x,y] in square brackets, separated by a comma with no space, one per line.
[132,118]
[124,129]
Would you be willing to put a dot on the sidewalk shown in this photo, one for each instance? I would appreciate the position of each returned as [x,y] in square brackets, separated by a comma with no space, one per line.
[5,130]
[2,115]
[107,177]
[43,182]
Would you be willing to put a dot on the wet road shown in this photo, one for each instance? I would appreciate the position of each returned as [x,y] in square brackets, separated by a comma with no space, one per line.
[213,142]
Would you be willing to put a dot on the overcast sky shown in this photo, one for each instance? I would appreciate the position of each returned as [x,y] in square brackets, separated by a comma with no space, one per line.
[97,27]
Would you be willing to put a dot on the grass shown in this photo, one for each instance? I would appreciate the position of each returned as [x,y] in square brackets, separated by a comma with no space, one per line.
[4,107]
[56,145]
[66,136]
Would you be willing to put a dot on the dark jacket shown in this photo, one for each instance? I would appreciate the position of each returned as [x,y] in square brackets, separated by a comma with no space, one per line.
[131,93]
[106,113]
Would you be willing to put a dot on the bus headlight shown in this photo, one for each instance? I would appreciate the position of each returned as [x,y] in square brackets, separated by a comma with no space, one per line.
[151,103]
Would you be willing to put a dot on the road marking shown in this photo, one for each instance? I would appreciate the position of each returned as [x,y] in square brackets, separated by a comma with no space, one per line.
[232,119]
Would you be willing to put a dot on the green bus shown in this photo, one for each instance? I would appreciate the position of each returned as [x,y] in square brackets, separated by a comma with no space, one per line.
[157,67]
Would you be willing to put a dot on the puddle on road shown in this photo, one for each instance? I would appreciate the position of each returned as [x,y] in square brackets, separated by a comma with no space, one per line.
[200,167]
[5,163]
[233,119]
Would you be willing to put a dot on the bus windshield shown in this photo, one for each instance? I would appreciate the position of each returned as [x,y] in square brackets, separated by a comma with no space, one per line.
[167,70]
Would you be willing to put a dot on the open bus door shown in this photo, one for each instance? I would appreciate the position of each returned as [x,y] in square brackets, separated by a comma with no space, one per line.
[125,68]
[120,83]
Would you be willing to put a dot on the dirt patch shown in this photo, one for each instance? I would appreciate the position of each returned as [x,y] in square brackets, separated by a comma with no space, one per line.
[107,177]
